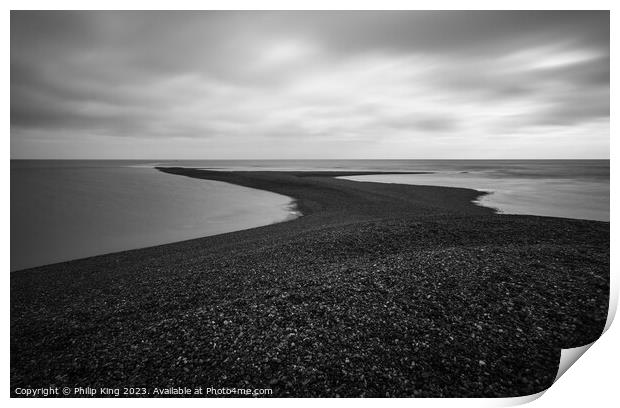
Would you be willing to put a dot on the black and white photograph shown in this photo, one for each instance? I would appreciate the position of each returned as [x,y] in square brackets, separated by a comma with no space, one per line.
[307,203]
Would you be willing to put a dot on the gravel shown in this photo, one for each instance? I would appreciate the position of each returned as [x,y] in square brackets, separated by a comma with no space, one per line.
[377,290]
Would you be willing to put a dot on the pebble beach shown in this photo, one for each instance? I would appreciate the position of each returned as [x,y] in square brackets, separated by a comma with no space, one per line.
[376,290]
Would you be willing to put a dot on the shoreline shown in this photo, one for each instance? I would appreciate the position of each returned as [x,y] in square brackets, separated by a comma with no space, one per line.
[66,213]
[377,290]
[546,197]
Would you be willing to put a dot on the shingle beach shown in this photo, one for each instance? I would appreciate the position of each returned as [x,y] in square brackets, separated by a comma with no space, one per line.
[376,290]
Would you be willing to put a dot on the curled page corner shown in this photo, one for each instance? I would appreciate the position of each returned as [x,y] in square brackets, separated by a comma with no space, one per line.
[613,303]
[515,401]
[568,358]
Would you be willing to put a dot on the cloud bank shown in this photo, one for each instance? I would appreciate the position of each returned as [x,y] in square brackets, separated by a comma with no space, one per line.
[460,84]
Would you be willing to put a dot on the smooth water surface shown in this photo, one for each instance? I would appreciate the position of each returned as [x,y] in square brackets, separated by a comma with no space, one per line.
[62,210]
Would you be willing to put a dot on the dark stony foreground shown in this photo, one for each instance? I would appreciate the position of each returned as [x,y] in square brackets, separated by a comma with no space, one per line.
[379,290]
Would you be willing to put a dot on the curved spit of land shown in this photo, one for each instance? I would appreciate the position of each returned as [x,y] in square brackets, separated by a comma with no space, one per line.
[378,290]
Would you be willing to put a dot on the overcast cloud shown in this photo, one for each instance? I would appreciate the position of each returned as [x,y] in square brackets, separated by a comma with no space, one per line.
[310,85]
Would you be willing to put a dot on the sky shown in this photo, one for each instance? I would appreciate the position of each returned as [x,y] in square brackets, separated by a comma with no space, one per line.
[309,85]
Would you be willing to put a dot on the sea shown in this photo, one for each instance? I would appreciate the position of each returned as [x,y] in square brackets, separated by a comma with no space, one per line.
[70,209]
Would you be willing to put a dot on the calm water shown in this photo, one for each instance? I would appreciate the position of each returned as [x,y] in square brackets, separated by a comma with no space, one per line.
[63,210]
[568,189]
[556,188]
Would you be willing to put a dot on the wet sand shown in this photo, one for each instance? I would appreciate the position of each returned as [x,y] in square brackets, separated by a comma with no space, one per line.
[377,290]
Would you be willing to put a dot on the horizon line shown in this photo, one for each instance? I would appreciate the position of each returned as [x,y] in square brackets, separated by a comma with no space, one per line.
[298,159]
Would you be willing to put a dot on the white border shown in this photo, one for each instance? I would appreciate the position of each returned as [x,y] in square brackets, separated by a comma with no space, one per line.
[592,380]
